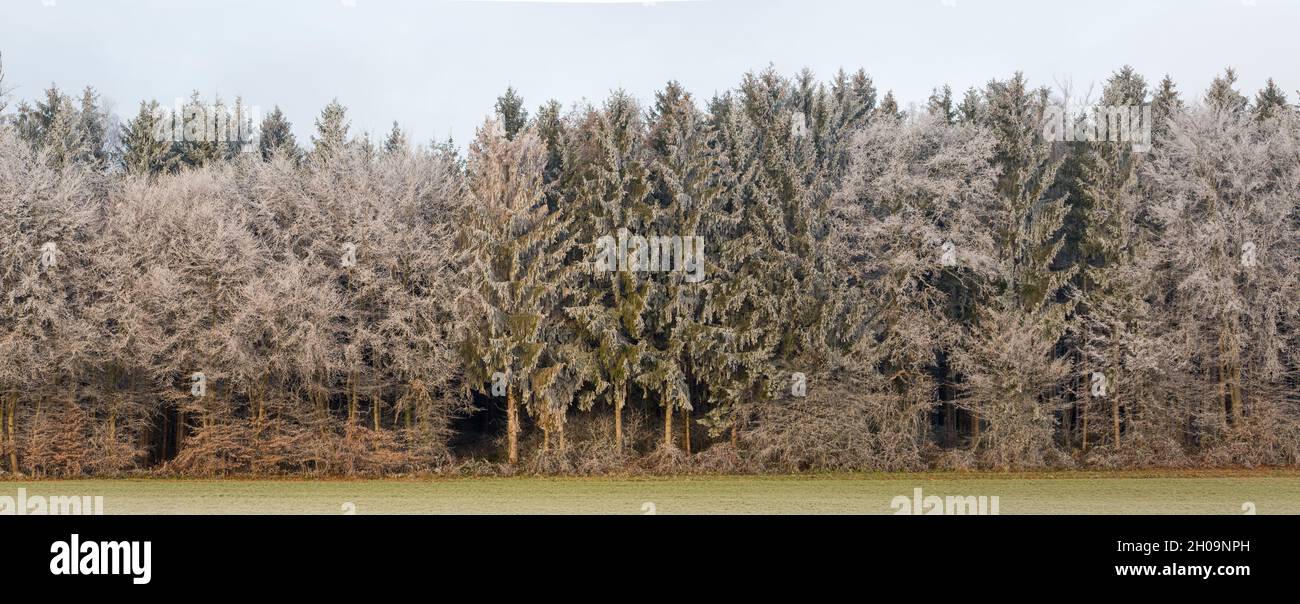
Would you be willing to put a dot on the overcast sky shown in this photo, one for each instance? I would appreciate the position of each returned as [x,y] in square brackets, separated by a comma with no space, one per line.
[436,66]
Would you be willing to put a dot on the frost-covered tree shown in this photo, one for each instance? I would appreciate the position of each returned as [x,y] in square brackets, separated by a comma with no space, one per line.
[686,173]
[511,112]
[1223,94]
[5,90]
[517,250]
[1013,392]
[1270,101]
[142,150]
[940,104]
[911,237]
[396,141]
[1223,194]
[1165,102]
[55,126]
[276,136]
[611,204]
[48,220]
[1106,209]
[331,131]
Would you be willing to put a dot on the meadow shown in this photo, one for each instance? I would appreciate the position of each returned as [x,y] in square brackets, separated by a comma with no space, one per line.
[1129,492]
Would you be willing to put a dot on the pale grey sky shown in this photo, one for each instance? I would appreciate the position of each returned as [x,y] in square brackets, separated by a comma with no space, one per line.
[437,66]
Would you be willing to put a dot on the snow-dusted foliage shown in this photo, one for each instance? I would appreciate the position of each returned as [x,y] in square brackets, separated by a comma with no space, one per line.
[790,275]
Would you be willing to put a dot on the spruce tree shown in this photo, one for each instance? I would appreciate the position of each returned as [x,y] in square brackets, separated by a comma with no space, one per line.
[276,136]
[1165,103]
[143,151]
[331,132]
[396,141]
[1223,96]
[686,176]
[1270,101]
[1109,305]
[971,109]
[92,127]
[200,124]
[888,107]
[612,203]
[940,104]
[1010,385]
[747,314]
[517,271]
[54,126]
[510,110]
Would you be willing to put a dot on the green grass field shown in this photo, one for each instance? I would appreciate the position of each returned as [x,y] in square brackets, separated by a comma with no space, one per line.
[1272,492]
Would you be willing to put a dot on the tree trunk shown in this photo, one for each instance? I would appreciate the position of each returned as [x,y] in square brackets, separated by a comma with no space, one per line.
[13,442]
[374,409]
[668,427]
[1114,416]
[512,426]
[949,424]
[352,399]
[1234,360]
[686,430]
[261,404]
[164,435]
[1067,426]
[619,395]
[143,443]
[1114,390]
[1225,394]
[1083,411]
[180,429]
[322,409]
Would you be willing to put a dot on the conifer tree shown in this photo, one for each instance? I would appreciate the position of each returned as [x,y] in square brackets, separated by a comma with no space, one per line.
[276,136]
[331,132]
[147,148]
[1223,95]
[971,109]
[889,107]
[1110,308]
[205,131]
[54,126]
[517,250]
[940,104]
[1270,101]
[686,175]
[1012,390]
[510,110]
[1165,103]
[1223,201]
[396,141]
[747,314]
[92,127]
[613,204]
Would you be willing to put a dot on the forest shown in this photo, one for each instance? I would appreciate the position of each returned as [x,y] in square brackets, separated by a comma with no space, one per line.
[818,279]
